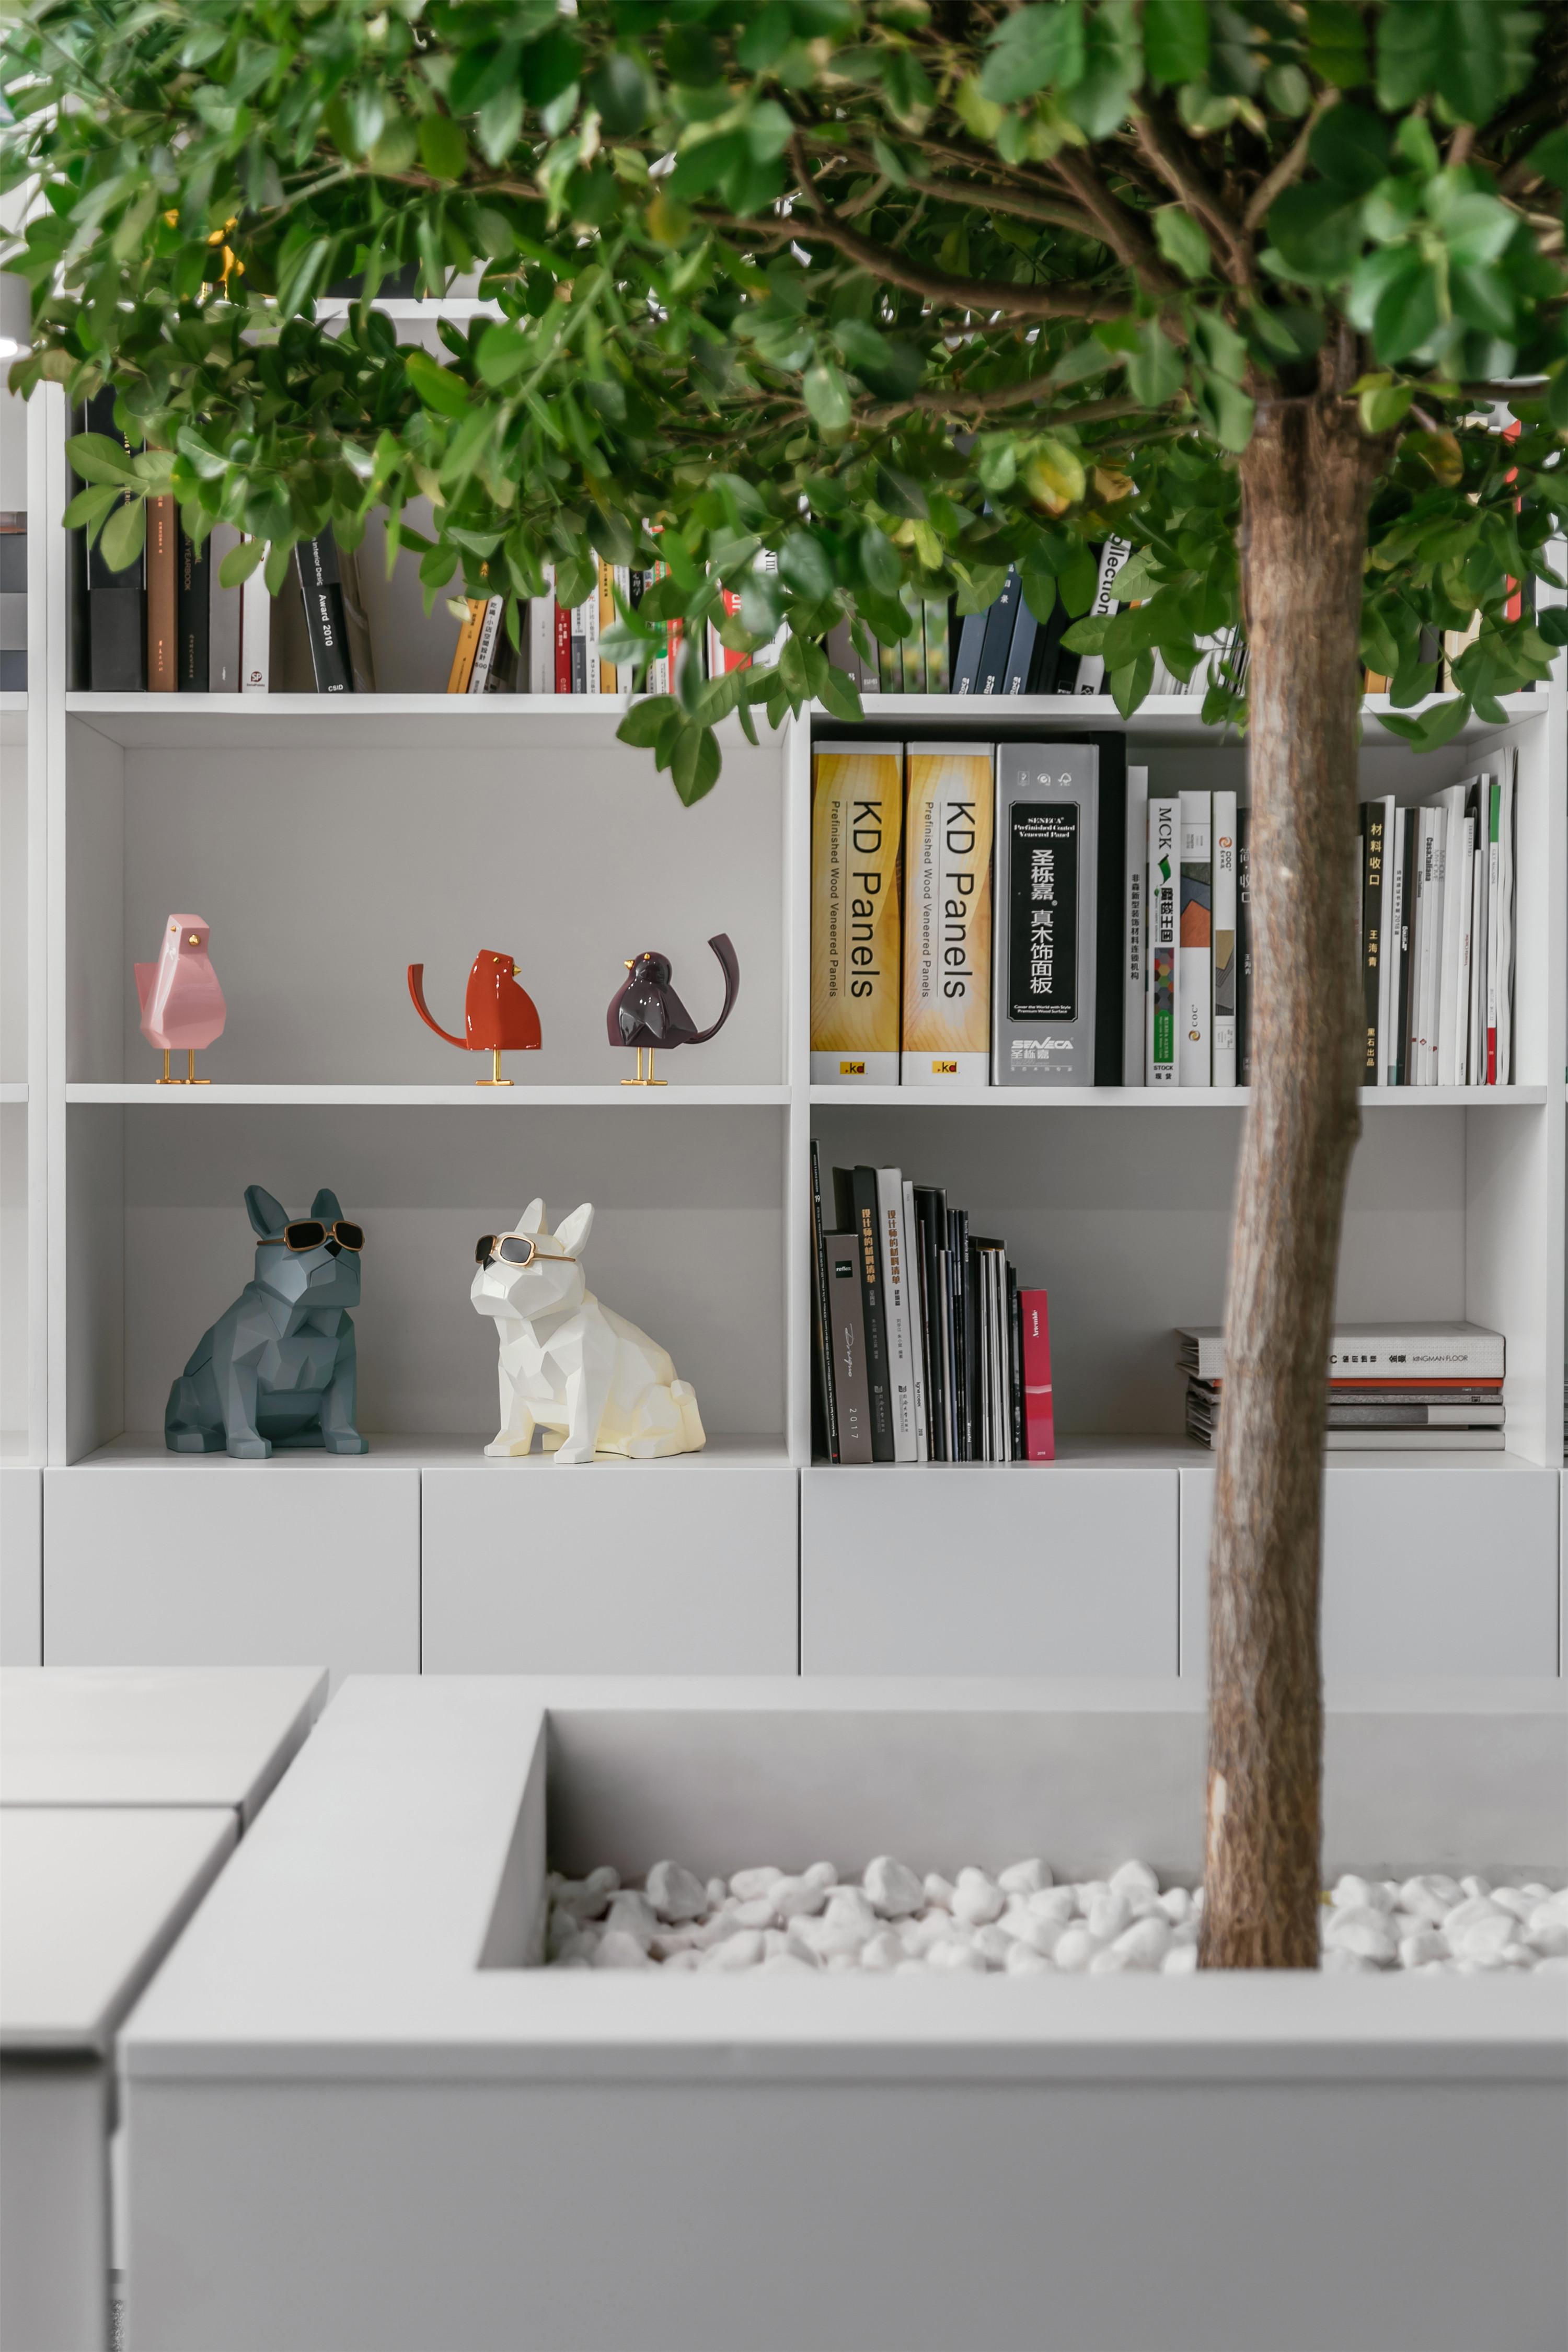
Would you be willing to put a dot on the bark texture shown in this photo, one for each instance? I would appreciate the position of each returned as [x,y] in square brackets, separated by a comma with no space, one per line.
[1306,482]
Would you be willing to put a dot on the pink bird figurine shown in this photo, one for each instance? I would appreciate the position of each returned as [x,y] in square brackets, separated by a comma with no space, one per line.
[181,1003]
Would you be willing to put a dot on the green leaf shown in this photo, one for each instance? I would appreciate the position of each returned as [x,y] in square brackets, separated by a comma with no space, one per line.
[1473,54]
[620,93]
[1078,579]
[1549,156]
[1113,68]
[1154,372]
[499,123]
[1484,300]
[1053,475]
[502,353]
[124,535]
[1226,409]
[1349,147]
[437,387]
[1434,727]
[1033,48]
[443,150]
[695,762]
[691,56]
[90,506]
[765,38]
[1553,625]
[97,458]
[1385,407]
[240,562]
[1175,41]
[1129,685]
[646,720]
[1183,242]
[805,567]
[1408,313]
[1315,231]
[841,696]
[826,396]
[1336,43]
[1476,228]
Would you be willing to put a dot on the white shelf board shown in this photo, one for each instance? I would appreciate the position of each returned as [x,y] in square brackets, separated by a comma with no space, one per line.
[13,719]
[1162,1452]
[1168,716]
[13,1090]
[172,1098]
[380,722]
[400,1450]
[1141,1097]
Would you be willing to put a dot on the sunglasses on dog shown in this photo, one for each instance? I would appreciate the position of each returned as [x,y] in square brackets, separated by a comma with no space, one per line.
[514,1249]
[309,1234]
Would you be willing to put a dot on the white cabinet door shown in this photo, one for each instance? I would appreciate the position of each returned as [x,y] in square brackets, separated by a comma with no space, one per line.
[21,1564]
[980,1570]
[1437,1570]
[233,1564]
[677,1568]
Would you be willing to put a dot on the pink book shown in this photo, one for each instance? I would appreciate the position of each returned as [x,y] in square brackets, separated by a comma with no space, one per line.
[1040,1420]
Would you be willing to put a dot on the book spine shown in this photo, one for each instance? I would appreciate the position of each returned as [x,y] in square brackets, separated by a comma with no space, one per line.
[856,1197]
[1021,651]
[1015,1365]
[856,838]
[485,644]
[593,675]
[896,1294]
[609,574]
[116,601]
[938,667]
[1090,678]
[1225,930]
[821,1327]
[1039,1407]
[194,616]
[1046,967]
[563,642]
[1109,895]
[1135,975]
[966,661]
[948,917]
[842,1257]
[1451,875]
[962,1336]
[1372,865]
[1465,895]
[1476,1057]
[1494,878]
[542,637]
[224,609]
[912,648]
[316,565]
[1243,946]
[1388,943]
[162,597]
[1194,968]
[910,1251]
[1429,926]
[1164,890]
[1399,1000]
[255,635]
[1509,867]
[463,652]
[998,637]
[930,1226]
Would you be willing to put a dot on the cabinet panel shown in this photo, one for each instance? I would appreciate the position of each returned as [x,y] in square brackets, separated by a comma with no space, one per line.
[21,1565]
[1434,1570]
[233,1564]
[961,1570]
[610,1567]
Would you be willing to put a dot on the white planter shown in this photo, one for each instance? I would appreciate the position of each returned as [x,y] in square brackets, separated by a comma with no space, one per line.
[357,2121]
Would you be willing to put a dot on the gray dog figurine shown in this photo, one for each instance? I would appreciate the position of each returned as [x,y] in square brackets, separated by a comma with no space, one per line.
[278,1370]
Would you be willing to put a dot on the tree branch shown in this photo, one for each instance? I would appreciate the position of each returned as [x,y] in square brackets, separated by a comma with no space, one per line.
[995,200]
[1291,166]
[1190,185]
[1031,390]
[1122,230]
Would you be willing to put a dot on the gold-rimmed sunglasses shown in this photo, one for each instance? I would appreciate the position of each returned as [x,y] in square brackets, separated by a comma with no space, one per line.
[309,1233]
[515,1249]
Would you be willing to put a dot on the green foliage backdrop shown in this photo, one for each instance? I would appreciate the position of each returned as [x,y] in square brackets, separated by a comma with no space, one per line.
[904,289]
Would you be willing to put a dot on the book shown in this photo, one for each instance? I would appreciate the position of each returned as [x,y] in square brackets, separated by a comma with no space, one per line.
[542,637]
[1015,1362]
[611,576]
[562,648]
[116,601]
[485,644]
[1419,1351]
[1135,918]
[826,1434]
[255,633]
[1372,865]
[1454,877]
[961,1327]
[1401,937]
[991,672]
[1426,946]
[193,613]
[855,1204]
[896,1299]
[912,648]
[967,659]
[1225,930]
[1464,903]
[1090,678]
[1414,1440]
[1502,902]
[938,667]
[1043,1009]
[224,607]
[1162,1067]
[1380,1015]
[162,597]
[930,1229]
[947,916]
[1040,1406]
[13,599]
[1243,946]
[1021,651]
[316,567]
[857,962]
[1195,959]
[468,642]
[841,1258]
[1476,1011]
[909,1232]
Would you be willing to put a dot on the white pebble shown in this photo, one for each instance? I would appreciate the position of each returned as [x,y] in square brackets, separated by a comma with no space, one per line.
[1054,1903]
[1514,1899]
[953,1956]
[977,1898]
[820,1873]
[883,1952]
[1363,1932]
[1353,1894]
[1075,1950]
[756,1912]
[1088,1893]
[1181,1960]
[1550,1940]
[1482,1939]
[616,1950]
[1024,1878]
[632,1914]
[891,1888]
[1145,1943]
[675,1894]
[1022,1960]
[1341,1963]
[747,1884]
[716,1890]
[743,1951]
[1420,1949]
[1135,1878]
[993,1944]
[1108,1915]
[918,1936]
[1176,1904]
[938,1890]
[1108,1962]
[1477,1888]
[1431,1896]
[796,1898]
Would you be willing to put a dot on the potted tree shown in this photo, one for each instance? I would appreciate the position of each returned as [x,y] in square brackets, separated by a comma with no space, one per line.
[904,293]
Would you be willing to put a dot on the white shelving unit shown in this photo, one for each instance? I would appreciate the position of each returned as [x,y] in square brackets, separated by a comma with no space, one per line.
[330,842]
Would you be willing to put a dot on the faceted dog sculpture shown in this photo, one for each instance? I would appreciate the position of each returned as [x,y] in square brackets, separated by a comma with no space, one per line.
[277,1369]
[591,1381]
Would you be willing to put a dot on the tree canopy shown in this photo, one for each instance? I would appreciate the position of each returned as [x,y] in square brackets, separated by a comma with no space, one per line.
[906,290]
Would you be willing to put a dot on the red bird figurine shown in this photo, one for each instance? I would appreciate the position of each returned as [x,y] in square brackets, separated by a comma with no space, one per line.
[498,1013]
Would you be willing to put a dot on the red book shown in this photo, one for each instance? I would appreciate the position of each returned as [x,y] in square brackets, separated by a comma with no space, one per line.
[1040,1417]
[563,650]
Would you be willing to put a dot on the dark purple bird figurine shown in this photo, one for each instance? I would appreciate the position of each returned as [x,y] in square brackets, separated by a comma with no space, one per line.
[647,1010]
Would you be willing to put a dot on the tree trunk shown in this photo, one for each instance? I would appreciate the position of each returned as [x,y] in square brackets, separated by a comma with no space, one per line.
[1306,480]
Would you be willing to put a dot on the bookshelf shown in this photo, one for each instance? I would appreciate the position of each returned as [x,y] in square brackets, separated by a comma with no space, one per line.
[331,841]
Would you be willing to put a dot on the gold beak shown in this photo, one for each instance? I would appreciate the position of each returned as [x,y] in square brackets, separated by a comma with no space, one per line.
[629,963]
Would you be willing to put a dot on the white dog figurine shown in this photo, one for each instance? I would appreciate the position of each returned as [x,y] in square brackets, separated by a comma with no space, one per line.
[591,1381]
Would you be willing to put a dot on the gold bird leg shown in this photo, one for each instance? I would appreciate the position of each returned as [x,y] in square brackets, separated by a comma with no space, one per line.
[495,1080]
[639,1080]
[166,1080]
[191,1078]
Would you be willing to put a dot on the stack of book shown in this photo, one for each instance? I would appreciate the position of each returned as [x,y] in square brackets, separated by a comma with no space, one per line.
[1392,1388]
[563,656]
[1437,935]
[926,1348]
[13,600]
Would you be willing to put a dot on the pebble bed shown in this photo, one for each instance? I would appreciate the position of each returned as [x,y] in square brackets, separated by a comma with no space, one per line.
[1019,1922]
